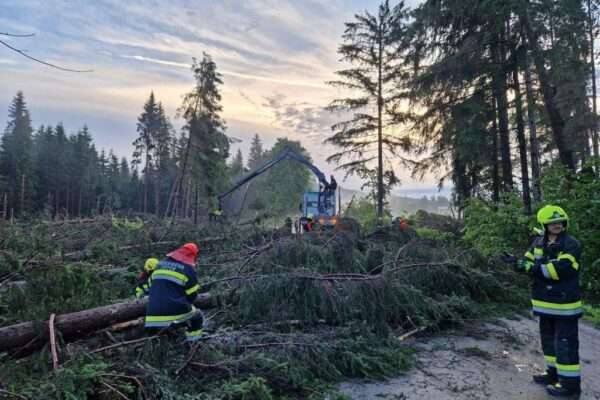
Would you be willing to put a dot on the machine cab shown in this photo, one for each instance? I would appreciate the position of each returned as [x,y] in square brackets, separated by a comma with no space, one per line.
[311,202]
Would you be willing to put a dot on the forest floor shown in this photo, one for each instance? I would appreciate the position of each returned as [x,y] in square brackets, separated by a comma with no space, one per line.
[481,361]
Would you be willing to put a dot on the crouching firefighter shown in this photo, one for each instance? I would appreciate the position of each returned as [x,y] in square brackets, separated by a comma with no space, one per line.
[552,261]
[144,280]
[172,293]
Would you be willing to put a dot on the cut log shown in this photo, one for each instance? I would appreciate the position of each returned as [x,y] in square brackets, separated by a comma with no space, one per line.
[33,335]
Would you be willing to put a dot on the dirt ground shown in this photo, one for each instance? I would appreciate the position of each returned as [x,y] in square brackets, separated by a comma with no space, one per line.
[493,361]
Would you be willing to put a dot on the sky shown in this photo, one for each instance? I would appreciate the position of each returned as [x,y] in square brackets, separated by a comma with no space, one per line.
[275,57]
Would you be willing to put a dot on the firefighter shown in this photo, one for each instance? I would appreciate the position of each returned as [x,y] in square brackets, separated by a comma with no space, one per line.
[173,291]
[307,223]
[143,286]
[216,214]
[552,261]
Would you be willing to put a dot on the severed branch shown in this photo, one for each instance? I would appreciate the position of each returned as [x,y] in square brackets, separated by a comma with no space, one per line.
[115,390]
[24,54]
[121,344]
[13,395]
[133,378]
[53,343]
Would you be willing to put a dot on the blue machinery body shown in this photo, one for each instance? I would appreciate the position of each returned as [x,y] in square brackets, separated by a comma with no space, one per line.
[321,204]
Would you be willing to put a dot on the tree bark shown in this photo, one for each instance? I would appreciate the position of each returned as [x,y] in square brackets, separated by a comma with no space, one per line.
[73,325]
[521,140]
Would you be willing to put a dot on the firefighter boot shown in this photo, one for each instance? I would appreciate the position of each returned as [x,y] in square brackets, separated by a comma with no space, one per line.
[550,377]
[558,390]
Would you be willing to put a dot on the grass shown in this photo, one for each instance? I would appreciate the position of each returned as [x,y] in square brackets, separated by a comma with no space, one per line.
[592,314]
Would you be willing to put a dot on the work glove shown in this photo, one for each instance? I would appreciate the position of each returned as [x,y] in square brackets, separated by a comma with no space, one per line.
[536,268]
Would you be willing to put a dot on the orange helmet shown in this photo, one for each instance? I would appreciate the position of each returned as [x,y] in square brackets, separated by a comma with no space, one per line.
[186,254]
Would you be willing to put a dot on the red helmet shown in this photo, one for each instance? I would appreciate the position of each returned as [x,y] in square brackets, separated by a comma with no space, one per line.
[186,254]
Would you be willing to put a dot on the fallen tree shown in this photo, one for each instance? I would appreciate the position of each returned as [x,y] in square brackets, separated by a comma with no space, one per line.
[33,334]
[301,312]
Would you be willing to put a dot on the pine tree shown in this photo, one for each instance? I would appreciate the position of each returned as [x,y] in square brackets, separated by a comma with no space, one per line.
[373,46]
[16,153]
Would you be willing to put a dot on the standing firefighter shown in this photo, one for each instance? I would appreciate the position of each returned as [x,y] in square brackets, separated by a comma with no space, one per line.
[553,263]
[173,291]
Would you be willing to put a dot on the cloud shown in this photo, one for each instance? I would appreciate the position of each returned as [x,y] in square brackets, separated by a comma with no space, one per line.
[275,57]
[304,118]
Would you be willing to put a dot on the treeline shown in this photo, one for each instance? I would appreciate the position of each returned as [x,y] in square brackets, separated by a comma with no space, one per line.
[54,174]
[485,93]
[50,172]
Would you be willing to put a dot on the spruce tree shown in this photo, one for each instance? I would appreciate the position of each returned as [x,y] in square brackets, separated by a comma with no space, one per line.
[16,153]
[237,165]
[148,128]
[373,47]
[207,147]
[255,158]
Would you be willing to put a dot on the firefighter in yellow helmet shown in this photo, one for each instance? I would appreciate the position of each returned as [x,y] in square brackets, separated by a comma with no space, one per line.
[552,261]
[143,285]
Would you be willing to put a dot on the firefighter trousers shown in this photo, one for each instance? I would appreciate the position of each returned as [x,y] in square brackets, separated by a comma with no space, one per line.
[560,344]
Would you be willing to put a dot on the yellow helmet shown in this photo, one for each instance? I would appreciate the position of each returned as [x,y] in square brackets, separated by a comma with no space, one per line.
[150,264]
[552,214]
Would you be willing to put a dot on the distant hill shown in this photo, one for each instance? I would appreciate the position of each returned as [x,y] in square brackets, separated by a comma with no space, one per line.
[405,205]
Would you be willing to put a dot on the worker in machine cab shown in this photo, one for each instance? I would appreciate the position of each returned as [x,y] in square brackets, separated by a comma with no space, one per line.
[332,184]
[552,261]
[144,280]
[173,291]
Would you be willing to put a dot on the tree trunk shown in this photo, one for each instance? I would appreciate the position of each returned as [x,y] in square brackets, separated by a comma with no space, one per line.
[521,140]
[196,199]
[380,130]
[79,201]
[495,169]
[534,147]
[77,324]
[499,88]
[593,65]
[22,207]
[146,172]
[67,202]
[5,207]
[157,186]
[557,123]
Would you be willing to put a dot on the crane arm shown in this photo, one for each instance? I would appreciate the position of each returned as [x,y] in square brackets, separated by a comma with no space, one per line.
[287,153]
